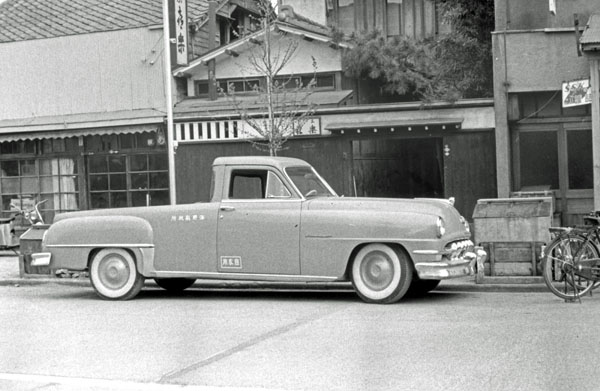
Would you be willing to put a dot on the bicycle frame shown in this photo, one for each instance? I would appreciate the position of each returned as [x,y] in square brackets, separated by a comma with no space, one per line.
[573,267]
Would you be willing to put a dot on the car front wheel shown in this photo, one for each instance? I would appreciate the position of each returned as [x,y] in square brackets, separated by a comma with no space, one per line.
[381,274]
[114,275]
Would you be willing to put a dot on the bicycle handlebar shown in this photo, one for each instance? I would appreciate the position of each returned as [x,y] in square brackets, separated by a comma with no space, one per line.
[32,215]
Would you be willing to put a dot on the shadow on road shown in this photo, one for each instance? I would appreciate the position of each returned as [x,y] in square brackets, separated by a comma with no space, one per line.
[286,295]
[151,293]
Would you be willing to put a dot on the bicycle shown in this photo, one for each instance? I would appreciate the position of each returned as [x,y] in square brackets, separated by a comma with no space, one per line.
[571,262]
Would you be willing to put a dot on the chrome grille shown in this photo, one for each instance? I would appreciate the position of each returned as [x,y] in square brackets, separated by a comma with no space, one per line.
[458,248]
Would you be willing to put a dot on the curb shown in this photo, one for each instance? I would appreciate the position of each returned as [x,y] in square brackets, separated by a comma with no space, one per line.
[229,285]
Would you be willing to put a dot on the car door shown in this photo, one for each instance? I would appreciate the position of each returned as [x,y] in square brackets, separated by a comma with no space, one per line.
[258,224]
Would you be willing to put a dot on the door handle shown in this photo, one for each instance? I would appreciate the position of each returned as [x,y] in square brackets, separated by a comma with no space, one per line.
[227,208]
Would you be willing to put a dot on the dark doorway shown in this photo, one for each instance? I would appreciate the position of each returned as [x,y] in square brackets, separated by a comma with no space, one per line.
[398,168]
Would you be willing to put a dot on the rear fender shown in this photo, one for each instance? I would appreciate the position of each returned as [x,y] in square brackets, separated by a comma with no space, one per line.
[73,240]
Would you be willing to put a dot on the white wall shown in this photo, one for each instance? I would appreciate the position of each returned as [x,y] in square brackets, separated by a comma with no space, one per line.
[327,60]
[312,9]
[108,71]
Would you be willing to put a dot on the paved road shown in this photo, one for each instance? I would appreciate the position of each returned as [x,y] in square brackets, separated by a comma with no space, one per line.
[63,337]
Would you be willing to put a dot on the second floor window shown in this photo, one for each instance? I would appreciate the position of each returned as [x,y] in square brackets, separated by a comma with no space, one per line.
[322,82]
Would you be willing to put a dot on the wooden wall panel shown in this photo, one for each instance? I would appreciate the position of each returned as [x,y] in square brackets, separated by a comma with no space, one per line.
[193,161]
[470,169]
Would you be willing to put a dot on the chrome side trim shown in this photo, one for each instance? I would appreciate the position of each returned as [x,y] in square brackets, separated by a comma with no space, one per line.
[248,276]
[426,252]
[128,245]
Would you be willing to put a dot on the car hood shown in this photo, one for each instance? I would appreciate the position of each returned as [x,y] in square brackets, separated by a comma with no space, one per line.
[427,206]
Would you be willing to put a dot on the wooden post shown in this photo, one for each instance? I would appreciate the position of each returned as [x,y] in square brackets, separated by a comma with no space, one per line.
[212,37]
[503,157]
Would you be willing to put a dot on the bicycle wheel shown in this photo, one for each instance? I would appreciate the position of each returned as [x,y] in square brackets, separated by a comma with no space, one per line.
[559,273]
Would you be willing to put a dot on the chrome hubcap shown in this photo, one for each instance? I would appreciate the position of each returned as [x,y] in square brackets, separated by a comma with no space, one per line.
[113,271]
[377,271]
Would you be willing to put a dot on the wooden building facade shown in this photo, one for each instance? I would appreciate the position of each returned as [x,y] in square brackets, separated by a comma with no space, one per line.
[542,144]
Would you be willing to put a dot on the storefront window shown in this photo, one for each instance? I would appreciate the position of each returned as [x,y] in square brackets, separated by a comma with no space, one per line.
[117,181]
[539,160]
[24,182]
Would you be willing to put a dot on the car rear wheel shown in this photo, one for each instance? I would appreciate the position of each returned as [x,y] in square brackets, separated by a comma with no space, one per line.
[175,284]
[114,275]
[380,274]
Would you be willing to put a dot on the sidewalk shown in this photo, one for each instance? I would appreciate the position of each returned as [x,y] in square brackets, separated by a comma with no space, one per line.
[9,276]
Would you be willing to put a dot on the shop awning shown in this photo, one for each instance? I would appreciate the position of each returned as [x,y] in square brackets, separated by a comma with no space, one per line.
[75,125]
[393,125]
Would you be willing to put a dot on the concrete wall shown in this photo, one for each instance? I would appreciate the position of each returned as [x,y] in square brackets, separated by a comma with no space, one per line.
[535,14]
[539,61]
[108,71]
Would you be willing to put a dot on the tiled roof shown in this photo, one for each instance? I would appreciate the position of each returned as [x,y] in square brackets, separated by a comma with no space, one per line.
[22,20]
[591,35]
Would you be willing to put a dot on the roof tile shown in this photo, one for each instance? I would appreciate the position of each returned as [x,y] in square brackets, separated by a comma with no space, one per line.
[591,35]
[22,20]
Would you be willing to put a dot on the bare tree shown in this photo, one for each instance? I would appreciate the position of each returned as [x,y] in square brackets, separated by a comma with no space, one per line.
[281,106]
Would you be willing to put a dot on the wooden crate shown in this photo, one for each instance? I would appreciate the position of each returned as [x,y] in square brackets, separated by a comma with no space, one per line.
[509,259]
[29,243]
[513,220]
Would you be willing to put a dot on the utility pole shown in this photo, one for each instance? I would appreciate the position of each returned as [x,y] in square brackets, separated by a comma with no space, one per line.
[169,101]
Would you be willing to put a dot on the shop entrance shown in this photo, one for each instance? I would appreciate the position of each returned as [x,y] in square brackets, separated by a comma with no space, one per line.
[398,168]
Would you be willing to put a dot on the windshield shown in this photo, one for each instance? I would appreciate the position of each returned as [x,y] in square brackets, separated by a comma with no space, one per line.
[309,182]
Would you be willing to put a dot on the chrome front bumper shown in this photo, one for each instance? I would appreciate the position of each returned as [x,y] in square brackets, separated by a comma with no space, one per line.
[458,267]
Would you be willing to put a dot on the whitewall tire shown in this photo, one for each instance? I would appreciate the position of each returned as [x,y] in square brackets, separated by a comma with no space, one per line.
[114,274]
[381,274]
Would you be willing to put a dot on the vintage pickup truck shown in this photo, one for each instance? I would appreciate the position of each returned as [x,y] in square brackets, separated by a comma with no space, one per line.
[269,219]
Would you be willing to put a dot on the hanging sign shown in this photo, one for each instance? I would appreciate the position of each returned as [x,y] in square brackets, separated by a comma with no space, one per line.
[181,32]
[576,93]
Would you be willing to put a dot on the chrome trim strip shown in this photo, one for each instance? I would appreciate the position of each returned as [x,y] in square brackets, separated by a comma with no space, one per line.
[260,200]
[426,252]
[139,245]
[224,274]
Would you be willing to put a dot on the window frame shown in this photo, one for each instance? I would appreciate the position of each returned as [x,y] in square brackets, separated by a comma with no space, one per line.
[266,171]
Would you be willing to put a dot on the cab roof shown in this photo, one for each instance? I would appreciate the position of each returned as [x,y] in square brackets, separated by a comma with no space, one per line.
[275,161]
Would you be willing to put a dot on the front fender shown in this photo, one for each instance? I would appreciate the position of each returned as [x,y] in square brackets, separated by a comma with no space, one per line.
[71,240]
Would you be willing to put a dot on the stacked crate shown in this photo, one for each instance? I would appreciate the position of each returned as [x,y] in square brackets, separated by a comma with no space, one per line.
[512,231]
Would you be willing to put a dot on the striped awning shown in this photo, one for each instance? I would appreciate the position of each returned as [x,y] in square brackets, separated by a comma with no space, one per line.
[121,122]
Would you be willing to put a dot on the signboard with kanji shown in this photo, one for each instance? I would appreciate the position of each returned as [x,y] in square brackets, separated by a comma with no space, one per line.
[181,32]
[576,93]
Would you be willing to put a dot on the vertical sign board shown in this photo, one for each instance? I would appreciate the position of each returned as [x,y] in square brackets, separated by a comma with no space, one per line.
[181,32]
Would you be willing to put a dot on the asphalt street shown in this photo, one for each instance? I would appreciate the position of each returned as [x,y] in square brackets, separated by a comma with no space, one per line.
[62,337]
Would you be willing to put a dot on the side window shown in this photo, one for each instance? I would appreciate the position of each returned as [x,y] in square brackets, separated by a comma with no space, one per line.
[276,188]
[247,184]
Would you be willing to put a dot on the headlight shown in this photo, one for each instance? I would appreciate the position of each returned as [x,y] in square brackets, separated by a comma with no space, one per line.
[465,223]
[441,227]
